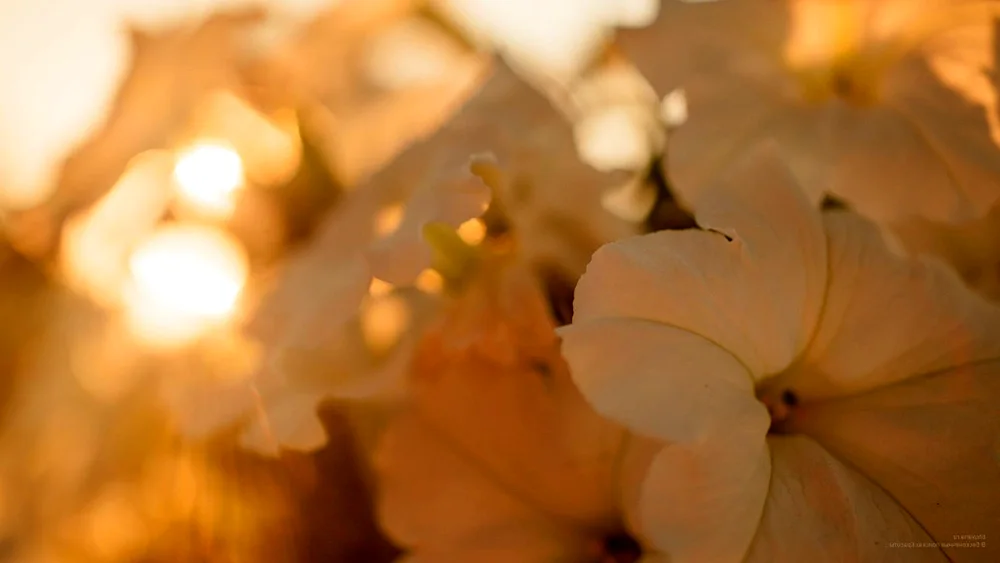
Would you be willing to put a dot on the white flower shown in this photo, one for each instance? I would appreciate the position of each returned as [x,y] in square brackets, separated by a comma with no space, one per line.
[329,333]
[885,105]
[555,39]
[881,376]
[548,197]
[495,456]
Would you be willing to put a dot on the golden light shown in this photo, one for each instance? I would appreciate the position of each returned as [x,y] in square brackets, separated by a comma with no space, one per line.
[472,231]
[824,31]
[114,526]
[383,322]
[378,288]
[186,281]
[96,245]
[430,281]
[208,175]
[269,145]
[388,219]
[171,486]
[674,108]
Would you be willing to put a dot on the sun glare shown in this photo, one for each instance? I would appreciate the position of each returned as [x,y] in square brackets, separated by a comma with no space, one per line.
[208,175]
[186,279]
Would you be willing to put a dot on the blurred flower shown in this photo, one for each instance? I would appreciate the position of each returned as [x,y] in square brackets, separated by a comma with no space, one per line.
[542,193]
[329,329]
[412,52]
[811,387]
[43,119]
[451,199]
[554,39]
[372,106]
[885,105]
[616,118]
[54,121]
[170,73]
[495,456]
[342,317]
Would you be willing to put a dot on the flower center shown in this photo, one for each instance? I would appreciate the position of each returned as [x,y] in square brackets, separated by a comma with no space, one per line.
[620,548]
[827,52]
[842,49]
[780,405]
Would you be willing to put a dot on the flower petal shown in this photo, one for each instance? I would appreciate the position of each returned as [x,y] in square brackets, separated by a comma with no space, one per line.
[528,427]
[889,317]
[820,510]
[754,286]
[957,130]
[702,503]
[722,128]
[435,499]
[659,380]
[717,37]
[911,179]
[932,443]
[288,421]
[972,249]
[451,197]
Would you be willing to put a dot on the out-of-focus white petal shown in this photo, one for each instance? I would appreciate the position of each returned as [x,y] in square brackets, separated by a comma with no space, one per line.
[57,91]
[540,167]
[632,201]
[702,503]
[935,106]
[754,286]
[720,128]
[201,408]
[436,500]
[321,286]
[414,53]
[616,138]
[703,390]
[286,421]
[972,248]
[820,510]
[339,288]
[516,410]
[957,132]
[452,197]
[888,317]
[910,179]
[555,39]
[932,443]
[743,37]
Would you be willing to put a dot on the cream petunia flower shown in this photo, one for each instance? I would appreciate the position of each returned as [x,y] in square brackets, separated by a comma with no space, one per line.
[342,321]
[495,456]
[885,104]
[819,397]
